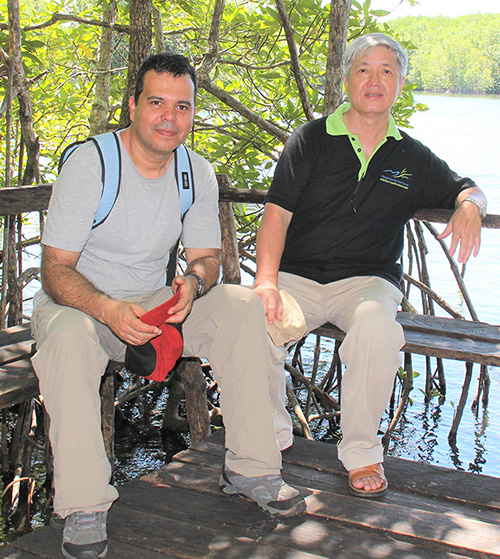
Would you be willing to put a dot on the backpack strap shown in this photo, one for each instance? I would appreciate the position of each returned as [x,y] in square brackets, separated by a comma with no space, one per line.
[184,177]
[185,185]
[67,152]
[108,148]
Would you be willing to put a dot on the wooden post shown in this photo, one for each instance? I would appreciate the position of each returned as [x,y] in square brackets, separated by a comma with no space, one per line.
[452,435]
[195,391]
[107,391]
[231,272]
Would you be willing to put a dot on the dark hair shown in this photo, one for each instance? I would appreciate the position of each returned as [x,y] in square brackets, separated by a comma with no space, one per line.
[167,63]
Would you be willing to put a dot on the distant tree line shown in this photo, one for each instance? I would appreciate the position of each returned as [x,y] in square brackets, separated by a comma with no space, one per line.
[453,54]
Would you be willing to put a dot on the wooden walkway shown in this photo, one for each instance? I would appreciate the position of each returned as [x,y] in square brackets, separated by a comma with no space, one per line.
[177,512]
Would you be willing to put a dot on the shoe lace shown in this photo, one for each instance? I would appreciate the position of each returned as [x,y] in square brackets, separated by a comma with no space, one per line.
[86,521]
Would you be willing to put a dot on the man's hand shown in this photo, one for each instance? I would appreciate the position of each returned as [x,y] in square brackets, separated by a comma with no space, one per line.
[203,262]
[187,286]
[465,228]
[68,287]
[270,243]
[270,297]
[122,318]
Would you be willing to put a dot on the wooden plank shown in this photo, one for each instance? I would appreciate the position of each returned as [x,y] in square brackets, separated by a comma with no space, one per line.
[185,505]
[179,512]
[18,382]
[14,352]
[241,521]
[406,476]
[336,482]
[10,552]
[455,533]
[15,334]
[42,543]
[475,490]
[23,199]
[448,338]
[450,532]
[160,534]
[485,353]
[15,200]
[46,543]
[451,326]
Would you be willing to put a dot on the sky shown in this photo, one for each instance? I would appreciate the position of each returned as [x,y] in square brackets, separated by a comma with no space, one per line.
[438,7]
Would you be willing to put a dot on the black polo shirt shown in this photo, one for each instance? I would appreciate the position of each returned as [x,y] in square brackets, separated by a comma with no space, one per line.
[343,226]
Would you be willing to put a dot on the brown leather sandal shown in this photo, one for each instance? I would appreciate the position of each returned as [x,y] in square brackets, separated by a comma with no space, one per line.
[374,470]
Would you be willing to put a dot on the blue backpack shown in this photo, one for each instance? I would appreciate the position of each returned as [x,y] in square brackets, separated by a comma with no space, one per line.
[108,148]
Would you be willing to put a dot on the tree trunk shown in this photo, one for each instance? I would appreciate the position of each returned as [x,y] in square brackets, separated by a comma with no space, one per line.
[141,35]
[158,31]
[31,171]
[339,23]
[100,106]
[294,57]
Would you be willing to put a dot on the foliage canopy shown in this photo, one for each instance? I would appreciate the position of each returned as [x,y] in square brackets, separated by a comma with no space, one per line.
[248,102]
[459,54]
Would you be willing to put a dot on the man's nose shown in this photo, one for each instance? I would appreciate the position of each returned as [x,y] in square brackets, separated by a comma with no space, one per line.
[168,114]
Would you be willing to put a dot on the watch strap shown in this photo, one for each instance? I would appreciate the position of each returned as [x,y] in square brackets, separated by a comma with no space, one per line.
[481,207]
[201,284]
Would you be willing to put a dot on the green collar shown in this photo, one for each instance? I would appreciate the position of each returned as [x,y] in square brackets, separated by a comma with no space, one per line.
[335,125]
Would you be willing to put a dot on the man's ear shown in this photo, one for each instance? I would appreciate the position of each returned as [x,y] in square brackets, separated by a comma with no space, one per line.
[402,85]
[131,106]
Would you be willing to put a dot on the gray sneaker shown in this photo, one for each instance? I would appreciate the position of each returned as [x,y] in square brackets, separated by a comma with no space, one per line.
[84,535]
[270,492]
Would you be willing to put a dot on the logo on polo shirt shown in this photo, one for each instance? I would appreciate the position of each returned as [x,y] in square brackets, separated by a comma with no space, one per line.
[396,178]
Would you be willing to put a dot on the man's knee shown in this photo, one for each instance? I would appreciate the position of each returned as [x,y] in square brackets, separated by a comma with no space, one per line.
[68,326]
[239,298]
[381,335]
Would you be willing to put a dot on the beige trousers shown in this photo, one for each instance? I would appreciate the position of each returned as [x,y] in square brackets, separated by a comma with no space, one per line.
[227,326]
[365,308]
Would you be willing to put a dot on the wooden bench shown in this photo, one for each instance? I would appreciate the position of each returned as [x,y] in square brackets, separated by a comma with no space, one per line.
[17,378]
[468,341]
[447,338]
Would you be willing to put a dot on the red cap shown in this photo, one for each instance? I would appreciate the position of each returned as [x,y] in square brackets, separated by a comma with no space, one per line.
[158,315]
[155,359]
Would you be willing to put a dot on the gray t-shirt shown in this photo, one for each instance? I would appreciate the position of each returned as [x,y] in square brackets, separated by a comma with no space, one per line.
[127,254]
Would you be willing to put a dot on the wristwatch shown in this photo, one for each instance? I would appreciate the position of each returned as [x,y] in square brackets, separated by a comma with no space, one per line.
[201,284]
[481,207]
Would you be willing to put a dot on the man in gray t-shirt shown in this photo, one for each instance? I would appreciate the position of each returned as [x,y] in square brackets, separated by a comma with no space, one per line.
[98,282]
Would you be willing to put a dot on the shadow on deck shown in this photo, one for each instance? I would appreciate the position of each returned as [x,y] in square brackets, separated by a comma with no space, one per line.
[177,512]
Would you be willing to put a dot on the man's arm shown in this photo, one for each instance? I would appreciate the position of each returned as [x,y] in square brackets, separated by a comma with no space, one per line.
[270,244]
[66,286]
[465,224]
[205,263]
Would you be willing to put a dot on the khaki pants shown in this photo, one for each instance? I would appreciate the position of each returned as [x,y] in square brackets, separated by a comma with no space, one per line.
[365,308]
[227,326]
